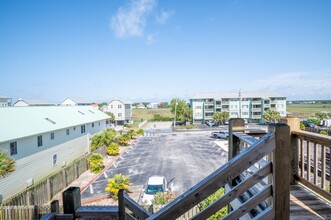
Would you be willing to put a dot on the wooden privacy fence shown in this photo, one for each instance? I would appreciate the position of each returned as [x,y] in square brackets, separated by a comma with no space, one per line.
[24,212]
[263,167]
[43,191]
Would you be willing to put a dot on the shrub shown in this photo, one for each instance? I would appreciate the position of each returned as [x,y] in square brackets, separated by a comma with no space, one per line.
[324,132]
[113,149]
[7,165]
[96,162]
[221,213]
[131,133]
[116,183]
[103,139]
[140,131]
[162,198]
[302,126]
[122,140]
[127,126]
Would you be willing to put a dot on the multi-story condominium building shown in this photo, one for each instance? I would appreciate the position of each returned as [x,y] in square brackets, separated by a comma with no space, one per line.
[121,110]
[5,101]
[43,139]
[247,105]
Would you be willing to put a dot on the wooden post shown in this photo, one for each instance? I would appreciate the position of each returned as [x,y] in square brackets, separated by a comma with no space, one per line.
[281,171]
[55,206]
[64,178]
[235,125]
[121,205]
[71,200]
[294,124]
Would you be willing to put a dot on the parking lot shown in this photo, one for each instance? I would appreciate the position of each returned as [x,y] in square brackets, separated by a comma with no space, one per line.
[184,158]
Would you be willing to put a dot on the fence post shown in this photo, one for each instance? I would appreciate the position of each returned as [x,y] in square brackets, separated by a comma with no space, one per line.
[294,124]
[235,125]
[281,171]
[71,200]
[55,206]
[121,205]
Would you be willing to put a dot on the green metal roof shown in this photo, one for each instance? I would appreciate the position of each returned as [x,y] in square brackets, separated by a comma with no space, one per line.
[19,122]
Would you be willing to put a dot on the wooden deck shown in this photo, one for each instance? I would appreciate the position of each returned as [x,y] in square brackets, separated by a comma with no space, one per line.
[306,205]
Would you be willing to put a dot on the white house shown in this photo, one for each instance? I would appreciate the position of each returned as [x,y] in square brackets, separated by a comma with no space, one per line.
[43,139]
[121,110]
[75,101]
[32,102]
[152,105]
[5,101]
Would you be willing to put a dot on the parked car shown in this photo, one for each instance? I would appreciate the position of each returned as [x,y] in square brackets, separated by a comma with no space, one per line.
[179,123]
[220,134]
[210,123]
[309,124]
[154,185]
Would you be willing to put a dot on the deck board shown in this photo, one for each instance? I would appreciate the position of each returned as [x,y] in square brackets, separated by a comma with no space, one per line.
[306,205]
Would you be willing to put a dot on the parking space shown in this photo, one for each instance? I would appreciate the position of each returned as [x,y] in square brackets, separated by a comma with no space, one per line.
[184,158]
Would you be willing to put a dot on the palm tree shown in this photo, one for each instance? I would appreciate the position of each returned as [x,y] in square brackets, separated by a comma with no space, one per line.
[218,116]
[96,162]
[271,115]
[7,165]
[116,183]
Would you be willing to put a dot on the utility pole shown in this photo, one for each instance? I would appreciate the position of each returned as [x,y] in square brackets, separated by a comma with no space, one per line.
[175,113]
[239,103]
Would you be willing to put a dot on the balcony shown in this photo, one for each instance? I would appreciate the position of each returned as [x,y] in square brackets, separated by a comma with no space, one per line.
[209,103]
[256,102]
[209,110]
[256,116]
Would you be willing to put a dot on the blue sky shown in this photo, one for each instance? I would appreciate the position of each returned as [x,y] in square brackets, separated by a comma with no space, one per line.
[153,50]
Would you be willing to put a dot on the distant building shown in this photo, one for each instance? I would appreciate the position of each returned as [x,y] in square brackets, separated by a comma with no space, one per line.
[5,101]
[32,102]
[141,106]
[44,139]
[75,101]
[152,105]
[121,110]
[248,105]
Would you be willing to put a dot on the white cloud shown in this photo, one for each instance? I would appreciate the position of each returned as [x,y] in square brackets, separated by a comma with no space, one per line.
[297,85]
[130,20]
[164,16]
[150,39]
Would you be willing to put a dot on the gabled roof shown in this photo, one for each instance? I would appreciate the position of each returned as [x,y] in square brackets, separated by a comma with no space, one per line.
[4,97]
[123,101]
[78,100]
[236,95]
[19,122]
[34,101]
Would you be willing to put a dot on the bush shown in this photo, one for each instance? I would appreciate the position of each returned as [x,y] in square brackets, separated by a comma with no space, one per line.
[116,183]
[162,198]
[103,139]
[302,126]
[212,198]
[113,149]
[122,140]
[96,162]
[127,126]
[7,165]
[316,121]
[140,131]
[324,132]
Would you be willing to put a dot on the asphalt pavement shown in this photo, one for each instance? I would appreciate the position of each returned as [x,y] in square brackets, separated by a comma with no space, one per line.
[184,158]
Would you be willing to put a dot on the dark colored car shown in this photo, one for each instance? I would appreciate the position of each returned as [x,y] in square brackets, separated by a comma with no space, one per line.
[309,124]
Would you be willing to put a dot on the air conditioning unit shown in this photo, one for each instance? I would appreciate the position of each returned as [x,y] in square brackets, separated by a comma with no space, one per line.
[29,182]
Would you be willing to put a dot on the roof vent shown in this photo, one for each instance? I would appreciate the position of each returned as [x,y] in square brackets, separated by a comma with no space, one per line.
[50,120]
[91,111]
[81,112]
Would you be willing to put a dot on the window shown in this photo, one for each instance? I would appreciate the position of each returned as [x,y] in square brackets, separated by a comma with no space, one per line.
[99,123]
[40,140]
[119,114]
[74,128]
[111,106]
[54,159]
[67,131]
[119,106]
[82,129]
[52,136]
[92,125]
[13,148]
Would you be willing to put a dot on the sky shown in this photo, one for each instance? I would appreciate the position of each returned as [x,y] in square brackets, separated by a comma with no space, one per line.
[155,50]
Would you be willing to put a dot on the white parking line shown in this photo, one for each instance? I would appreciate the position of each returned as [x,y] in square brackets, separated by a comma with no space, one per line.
[91,189]
[105,175]
[115,165]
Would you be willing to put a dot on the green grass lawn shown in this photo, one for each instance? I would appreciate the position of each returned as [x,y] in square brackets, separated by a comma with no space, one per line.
[306,110]
[139,115]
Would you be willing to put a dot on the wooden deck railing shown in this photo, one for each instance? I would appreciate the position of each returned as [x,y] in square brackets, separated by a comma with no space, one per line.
[249,164]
